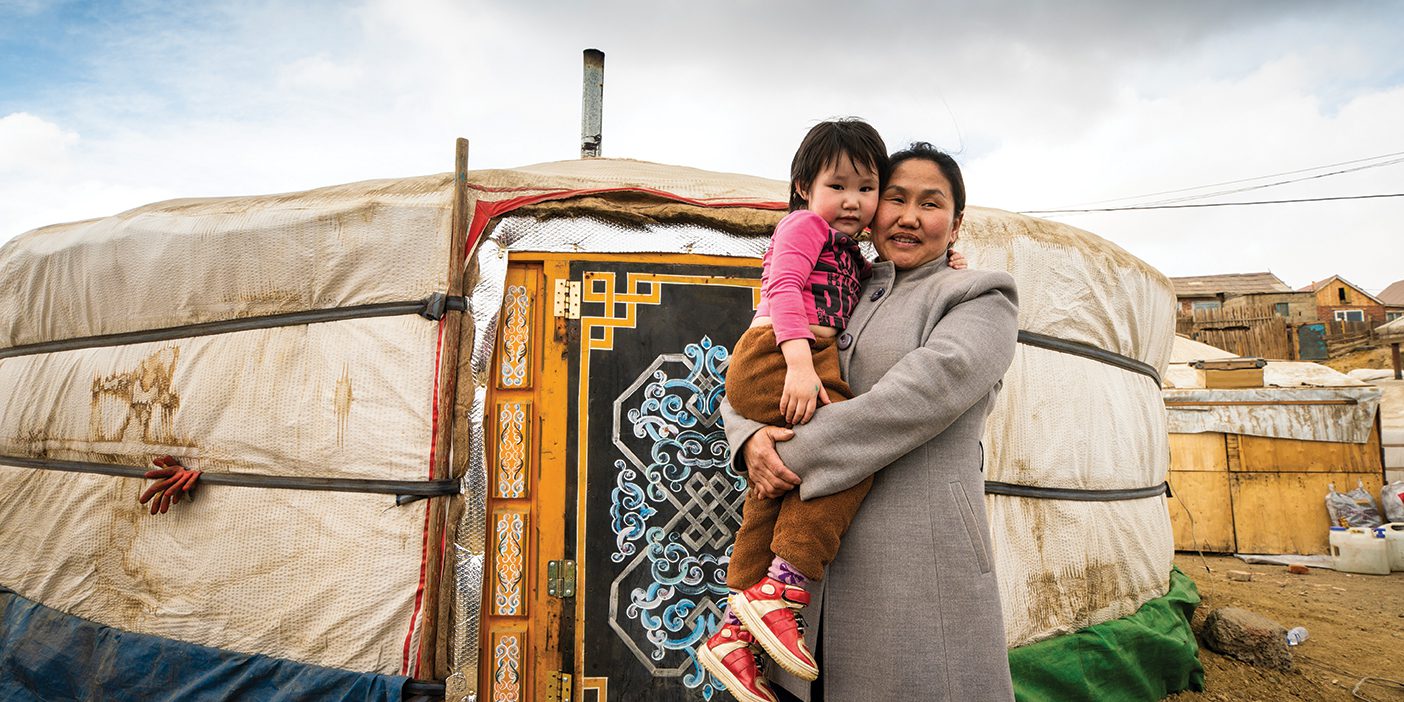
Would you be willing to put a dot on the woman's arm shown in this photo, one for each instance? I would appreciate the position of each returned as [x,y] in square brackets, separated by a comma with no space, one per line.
[964,356]
[753,453]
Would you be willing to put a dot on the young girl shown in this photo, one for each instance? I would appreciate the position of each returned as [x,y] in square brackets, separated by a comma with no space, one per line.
[782,369]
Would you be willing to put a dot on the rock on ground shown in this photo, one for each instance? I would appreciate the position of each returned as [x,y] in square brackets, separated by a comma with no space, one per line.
[1249,637]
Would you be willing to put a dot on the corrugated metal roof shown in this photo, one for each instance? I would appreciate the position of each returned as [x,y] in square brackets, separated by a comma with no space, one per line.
[1394,294]
[1231,283]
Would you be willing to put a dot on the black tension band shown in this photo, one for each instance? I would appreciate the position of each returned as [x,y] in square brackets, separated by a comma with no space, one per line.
[415,488]
[1077,348]
[433,308]
[425,688]
[1075,494]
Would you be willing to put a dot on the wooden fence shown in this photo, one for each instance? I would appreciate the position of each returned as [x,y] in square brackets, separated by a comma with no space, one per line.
[1258,332]
[1344,337]
[1246,331]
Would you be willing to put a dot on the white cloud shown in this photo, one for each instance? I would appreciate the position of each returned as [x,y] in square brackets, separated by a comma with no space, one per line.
[32,145]
[44,178]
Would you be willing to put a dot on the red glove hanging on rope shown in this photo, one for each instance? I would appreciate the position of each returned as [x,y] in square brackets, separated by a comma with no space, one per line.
[175,481]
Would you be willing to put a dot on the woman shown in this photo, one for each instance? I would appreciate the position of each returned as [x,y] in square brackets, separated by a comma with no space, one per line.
[910,605]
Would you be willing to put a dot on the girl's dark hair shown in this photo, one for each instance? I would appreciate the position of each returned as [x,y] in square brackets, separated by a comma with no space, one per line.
[949,168]
[826,143]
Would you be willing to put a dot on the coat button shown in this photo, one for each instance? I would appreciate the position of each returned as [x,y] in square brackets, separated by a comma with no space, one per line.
[845,341]
[877,294]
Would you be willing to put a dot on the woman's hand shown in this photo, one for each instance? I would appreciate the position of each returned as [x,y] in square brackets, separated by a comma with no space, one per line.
[803,392]
[957,260]
[768,475]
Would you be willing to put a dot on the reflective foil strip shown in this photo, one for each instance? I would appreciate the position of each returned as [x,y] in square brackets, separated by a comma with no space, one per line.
[469,548]
[593,235]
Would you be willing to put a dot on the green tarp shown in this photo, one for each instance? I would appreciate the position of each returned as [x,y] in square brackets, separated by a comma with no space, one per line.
[1145,656]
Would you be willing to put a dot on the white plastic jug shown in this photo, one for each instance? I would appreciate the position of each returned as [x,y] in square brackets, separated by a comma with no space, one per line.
[1393,534]
[1359,550]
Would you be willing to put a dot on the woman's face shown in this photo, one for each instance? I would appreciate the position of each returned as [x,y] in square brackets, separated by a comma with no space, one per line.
[915,221]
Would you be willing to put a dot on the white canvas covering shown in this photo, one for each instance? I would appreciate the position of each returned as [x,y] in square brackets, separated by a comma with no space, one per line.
[1069,422]
[1298,400]
[1187,350]
[331,578]
[319,577]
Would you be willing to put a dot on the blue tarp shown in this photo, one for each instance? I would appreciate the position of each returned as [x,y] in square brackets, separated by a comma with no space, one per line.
[48,655]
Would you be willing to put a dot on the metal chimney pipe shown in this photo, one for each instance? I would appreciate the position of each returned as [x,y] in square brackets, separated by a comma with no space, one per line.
[592,105]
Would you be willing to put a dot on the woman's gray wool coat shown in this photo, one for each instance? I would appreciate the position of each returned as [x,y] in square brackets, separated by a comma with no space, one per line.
[910,606]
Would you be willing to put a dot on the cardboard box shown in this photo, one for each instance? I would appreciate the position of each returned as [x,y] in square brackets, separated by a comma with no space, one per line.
[1231,373]
[1242,378]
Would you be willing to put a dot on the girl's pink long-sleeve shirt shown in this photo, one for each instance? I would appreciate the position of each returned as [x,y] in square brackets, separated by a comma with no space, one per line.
[811,274]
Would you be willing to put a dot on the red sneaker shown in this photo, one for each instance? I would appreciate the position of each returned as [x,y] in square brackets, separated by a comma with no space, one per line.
[768,611]
[730,656]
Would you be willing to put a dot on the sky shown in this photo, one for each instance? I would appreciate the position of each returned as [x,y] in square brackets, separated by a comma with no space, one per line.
[105,106]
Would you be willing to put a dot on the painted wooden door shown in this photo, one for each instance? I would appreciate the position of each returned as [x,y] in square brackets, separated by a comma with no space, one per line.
[521,620]
[651,498]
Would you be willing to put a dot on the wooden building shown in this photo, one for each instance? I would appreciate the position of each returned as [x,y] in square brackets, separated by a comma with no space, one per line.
[1337,299]
[1210,292]
[1295,307]
[1393,299]
[1250,468]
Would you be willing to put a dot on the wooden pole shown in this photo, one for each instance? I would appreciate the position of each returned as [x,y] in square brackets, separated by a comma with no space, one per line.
[438,586]
[1398,371]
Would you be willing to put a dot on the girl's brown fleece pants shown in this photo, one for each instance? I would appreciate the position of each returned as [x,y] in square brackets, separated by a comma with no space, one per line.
[806,533]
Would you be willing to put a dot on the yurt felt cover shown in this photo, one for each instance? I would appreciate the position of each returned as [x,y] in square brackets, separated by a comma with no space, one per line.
[188,262]
[334,579]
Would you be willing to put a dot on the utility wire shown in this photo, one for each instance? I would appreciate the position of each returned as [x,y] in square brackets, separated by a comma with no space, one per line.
[1271,185]
[1211,204]
[1248,180]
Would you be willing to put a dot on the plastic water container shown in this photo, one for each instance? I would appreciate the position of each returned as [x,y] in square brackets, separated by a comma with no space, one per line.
[1359,550]
[1393,534]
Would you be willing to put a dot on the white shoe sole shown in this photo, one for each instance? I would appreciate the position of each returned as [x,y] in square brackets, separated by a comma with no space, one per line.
[714,666]
[792,664]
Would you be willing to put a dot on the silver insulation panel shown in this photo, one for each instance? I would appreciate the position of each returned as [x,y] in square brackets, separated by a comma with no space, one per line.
[593,235]
[469,548]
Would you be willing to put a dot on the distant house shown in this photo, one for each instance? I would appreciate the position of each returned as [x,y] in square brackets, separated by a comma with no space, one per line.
[1296,307]
[1210,292]
[1340,300]
[1393,299]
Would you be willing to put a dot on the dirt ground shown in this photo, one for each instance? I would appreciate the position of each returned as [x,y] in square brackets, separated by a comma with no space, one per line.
[1355,623]
[1379,358]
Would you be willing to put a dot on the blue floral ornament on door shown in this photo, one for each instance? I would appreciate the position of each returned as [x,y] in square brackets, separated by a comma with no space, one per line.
[674,513]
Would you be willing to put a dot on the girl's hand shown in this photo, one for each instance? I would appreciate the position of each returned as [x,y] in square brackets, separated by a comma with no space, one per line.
[803,390]
[802,395]
[957,261]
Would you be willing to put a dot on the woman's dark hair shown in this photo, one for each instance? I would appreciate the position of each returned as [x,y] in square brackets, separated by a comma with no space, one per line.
[949,168]
[826,143]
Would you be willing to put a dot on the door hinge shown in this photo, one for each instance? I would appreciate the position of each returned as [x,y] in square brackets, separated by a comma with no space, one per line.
[567,299]
[558,687]
[560,579]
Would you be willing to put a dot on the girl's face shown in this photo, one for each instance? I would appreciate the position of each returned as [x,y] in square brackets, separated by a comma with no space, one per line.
[915,221]
[844,194]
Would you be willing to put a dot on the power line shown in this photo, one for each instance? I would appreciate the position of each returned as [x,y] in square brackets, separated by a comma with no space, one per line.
[1212,204]
[1247,180]
[1272,185]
